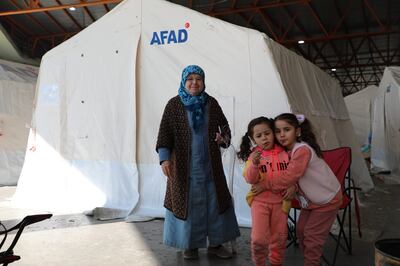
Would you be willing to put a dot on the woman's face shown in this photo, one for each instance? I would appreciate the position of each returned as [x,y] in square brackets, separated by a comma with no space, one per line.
[194,84]
[286,134]
[263,136]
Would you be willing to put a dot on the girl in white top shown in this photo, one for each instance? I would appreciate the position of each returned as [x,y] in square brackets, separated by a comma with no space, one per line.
[318,189]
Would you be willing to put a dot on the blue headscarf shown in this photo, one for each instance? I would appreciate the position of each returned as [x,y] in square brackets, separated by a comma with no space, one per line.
[195,104]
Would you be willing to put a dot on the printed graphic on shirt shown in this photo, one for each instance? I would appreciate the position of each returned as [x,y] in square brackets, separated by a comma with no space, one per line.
[268,165]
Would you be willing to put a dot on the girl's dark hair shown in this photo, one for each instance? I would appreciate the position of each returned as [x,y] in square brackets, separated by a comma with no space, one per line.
[307,133]
[245,146]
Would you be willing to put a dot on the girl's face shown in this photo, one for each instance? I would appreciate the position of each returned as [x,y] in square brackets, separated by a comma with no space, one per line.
[263,136]
[286,134]
[194,84]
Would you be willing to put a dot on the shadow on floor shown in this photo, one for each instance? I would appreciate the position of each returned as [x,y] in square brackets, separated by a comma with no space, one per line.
[81,240]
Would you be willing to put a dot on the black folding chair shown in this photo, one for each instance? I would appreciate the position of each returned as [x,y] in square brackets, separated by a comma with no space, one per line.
[8,256]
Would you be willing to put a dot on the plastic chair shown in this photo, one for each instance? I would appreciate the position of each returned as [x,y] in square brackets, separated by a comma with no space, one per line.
[339,160]
[8,256]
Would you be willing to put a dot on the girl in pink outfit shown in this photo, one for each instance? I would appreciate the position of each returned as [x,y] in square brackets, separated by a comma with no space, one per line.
[269,218]
[317,188]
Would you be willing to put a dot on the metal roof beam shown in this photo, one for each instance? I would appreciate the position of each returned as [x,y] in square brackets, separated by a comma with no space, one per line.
[50,36]
[342,36]
[336,63]
[318,19]
[291,24]
[364,83]
[70,16]
[322,26]
[355,52]
[87,11]
[343,16]
[268,21]
[248,20]
[212,5]
[394,54]
[372,10]
[52,8]
[300,50]
[13,2]
[364,55]
[256,8]
[389,19]
[22,29]
[33,3]
[369,40]
[364,65]
[367,72]
[314,45]
[317,55]
[377,49]
[301,28]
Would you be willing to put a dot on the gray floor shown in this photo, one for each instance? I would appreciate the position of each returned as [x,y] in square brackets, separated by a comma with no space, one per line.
[76,239]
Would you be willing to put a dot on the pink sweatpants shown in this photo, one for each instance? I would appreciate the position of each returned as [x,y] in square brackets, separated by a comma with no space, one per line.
[268,233]
[312,231]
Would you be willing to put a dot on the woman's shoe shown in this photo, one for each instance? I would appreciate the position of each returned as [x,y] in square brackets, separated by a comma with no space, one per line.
[220,251]
[191,254]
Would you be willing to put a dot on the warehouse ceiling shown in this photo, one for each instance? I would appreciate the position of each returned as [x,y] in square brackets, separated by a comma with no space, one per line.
[352,40]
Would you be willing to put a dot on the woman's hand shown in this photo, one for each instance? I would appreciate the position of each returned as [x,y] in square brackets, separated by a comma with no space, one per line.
[290,193]
[166,167]
[256,157]
[218,138]
[258,188]
[221,138]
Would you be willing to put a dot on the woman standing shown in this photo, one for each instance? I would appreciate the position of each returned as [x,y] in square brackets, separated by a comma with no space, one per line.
[199,205]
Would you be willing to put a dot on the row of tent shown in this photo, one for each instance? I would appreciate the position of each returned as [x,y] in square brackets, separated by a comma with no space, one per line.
[375,114]
[17,90]
[100,96]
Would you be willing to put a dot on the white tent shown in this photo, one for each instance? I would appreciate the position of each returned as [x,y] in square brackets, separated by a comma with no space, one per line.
[385,145]
[102,93]
[361,108]
[17,90]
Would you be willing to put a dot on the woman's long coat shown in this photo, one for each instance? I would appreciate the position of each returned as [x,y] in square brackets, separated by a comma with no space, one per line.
[175,134]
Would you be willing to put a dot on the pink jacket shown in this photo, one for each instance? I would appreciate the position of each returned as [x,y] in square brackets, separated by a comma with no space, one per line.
[272,164]
[316,180]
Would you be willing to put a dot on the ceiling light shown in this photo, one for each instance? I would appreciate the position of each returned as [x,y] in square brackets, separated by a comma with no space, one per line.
[72,8]
[333,69]
[300,42]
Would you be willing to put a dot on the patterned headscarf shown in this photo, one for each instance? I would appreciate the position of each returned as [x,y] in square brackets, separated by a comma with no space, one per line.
[195,104]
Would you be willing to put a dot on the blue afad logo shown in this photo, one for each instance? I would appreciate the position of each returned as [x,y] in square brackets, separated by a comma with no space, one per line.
[168,37]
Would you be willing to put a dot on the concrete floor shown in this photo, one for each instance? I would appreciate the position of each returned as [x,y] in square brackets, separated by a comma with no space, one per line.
[76,239]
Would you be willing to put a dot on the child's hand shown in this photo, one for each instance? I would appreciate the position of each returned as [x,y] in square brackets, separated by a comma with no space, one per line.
[258,188]
[256,157]
[289,193]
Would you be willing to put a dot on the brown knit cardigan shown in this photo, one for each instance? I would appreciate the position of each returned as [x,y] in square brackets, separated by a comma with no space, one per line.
[175,134]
